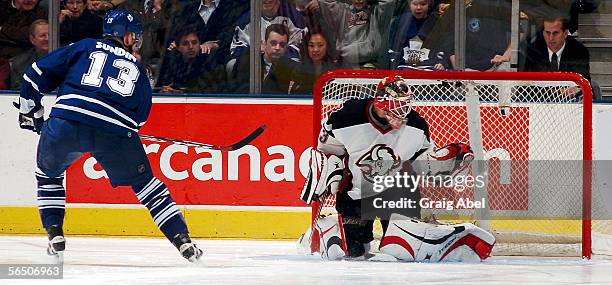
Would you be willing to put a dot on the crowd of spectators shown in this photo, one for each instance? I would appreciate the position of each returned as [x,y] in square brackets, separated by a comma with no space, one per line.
[16,16]
[203,46]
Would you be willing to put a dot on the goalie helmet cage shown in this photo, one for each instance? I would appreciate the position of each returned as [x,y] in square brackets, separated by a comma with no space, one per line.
[508,118]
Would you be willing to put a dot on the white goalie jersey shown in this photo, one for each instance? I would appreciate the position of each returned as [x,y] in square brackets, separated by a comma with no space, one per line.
[374,148]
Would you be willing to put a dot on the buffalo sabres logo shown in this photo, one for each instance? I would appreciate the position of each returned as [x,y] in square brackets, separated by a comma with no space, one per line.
[379,161]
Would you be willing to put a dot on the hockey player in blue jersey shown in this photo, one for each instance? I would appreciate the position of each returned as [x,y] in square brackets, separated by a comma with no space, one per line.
[103,98]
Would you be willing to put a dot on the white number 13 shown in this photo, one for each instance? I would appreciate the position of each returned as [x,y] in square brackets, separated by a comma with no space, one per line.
[124,83]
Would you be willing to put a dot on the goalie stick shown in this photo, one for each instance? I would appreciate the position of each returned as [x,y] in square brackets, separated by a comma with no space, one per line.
[313,238]
[253,135]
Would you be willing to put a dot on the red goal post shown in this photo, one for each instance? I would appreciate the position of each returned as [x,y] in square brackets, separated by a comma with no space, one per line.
[467,107]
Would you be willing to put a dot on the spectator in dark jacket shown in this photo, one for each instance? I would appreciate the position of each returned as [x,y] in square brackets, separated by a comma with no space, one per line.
[487,42]
[183,65]
[39,37]
[272,12]
[15,19]
[276,68]
[556,50]
[78,23]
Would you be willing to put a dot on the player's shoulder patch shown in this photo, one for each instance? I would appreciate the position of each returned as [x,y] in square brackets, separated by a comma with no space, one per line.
[353,112]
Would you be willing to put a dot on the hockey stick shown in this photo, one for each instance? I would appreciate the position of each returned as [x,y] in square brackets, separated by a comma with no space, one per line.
[230,147]
[321,201]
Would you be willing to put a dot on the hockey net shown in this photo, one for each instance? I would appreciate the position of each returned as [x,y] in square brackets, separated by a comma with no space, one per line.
[518,123]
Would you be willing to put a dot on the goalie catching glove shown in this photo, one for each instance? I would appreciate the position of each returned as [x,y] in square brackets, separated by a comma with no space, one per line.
[324,176]
[450,160]
[30,114]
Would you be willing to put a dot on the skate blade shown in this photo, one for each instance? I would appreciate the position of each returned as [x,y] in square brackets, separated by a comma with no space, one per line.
[56,258]
[197,257]
[194,260]
[59,257]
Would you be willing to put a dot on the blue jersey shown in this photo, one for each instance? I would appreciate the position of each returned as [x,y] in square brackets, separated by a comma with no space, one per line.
[99,84]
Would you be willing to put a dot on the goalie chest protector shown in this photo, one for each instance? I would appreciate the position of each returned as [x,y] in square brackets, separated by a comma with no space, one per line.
[373,146]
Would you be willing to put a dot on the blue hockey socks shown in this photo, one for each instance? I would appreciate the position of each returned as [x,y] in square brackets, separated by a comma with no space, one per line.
[155,196]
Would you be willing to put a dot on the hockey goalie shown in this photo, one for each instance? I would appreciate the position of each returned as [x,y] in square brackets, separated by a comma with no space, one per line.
[370,138]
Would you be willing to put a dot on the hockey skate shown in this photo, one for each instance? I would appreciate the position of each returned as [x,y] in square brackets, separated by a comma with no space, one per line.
[57,243]
[187,249]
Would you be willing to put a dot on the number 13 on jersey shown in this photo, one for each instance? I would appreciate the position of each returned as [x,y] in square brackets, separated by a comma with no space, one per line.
[125,82]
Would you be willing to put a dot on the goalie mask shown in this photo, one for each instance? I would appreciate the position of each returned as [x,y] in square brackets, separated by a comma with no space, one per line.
[395,98]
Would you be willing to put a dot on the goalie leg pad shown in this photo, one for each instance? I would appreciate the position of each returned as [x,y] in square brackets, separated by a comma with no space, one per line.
[401,238]
[325,175]
[475,245]
[332,242]
[412,240]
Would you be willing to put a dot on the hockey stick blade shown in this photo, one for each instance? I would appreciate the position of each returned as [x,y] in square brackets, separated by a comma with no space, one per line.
[248,138]
[252,136]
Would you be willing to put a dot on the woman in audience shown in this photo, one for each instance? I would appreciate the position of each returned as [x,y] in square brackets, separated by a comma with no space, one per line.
[316,60]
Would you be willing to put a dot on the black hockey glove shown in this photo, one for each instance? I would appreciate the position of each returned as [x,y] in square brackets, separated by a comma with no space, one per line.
[30,115]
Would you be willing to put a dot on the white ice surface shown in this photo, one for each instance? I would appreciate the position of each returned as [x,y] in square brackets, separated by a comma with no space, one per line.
[154,261]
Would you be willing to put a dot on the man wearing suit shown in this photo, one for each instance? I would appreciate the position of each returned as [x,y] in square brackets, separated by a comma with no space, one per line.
[555,50]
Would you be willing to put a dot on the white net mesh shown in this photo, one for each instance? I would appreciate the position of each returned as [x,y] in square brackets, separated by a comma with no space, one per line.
[532,136]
